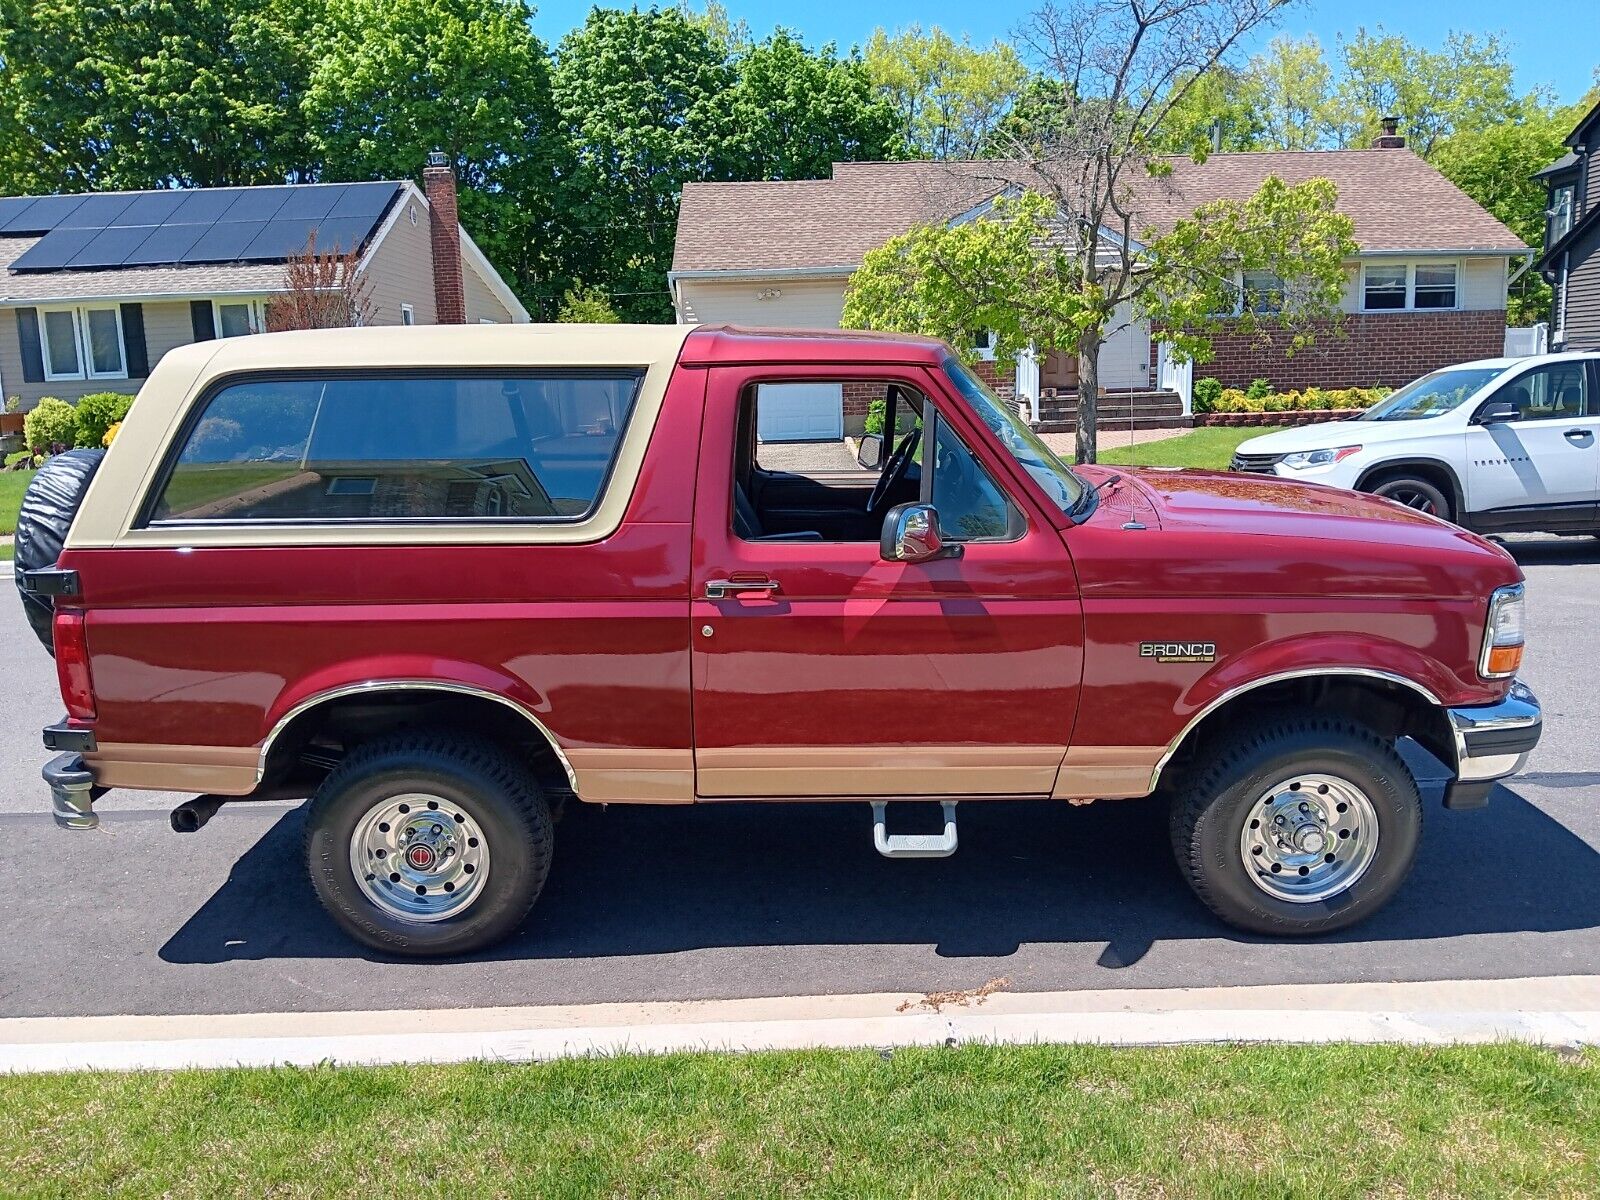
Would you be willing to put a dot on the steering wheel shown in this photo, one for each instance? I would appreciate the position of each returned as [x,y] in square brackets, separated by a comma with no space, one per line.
[894,470]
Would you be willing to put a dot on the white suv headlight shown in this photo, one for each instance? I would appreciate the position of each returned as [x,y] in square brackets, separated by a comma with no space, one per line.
[1317,458]
[1502,635]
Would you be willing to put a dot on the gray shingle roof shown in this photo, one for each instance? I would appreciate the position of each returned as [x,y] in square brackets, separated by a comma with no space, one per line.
[1396,201]
[200,280]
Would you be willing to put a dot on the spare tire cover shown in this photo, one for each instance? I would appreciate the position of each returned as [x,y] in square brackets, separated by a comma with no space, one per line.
[48,507]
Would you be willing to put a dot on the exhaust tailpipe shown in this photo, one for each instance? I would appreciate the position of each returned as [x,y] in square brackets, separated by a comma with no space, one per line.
[191,815]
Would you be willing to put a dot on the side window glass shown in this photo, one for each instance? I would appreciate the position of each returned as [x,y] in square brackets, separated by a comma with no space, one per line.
[971,506]
[381,448]
[1558,392]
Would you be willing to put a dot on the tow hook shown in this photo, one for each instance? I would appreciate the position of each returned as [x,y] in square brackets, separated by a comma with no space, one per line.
[189,816]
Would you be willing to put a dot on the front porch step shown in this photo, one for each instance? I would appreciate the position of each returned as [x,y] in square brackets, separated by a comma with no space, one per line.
[1104,423]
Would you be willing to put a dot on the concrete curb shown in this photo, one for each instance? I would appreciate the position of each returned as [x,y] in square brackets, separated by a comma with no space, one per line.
[1557,1011]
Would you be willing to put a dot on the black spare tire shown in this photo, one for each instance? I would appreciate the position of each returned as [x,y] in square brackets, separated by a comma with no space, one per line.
[48,507]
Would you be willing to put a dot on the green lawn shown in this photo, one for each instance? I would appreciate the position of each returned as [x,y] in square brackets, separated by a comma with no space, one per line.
[1040,1121]
[12,485]
[1210,446]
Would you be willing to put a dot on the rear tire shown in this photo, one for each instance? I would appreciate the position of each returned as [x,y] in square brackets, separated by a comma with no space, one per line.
[1416,493]
[44,518]
[460,825]
[1335,809]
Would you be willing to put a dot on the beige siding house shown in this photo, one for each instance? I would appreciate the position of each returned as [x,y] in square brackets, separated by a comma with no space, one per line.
[94,289]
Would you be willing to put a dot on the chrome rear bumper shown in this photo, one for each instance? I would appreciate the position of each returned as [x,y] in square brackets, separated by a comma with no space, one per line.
[1492,741]
[72,792]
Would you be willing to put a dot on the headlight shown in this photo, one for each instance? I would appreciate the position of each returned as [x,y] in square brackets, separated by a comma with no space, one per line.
[1502,635]
[1317,458]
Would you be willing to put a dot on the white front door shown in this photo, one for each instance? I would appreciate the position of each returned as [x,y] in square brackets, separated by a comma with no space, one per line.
[1548,459]
[800,412]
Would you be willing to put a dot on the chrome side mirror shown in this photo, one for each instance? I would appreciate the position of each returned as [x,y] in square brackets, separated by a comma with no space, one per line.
[911,534]
[870,452]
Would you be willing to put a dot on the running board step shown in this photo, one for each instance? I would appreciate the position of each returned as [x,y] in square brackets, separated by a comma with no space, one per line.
[913,845]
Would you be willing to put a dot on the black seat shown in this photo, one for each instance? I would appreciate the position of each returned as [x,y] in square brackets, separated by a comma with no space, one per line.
[747,522]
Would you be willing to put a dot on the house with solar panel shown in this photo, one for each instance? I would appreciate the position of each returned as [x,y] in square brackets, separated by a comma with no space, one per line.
[95,288]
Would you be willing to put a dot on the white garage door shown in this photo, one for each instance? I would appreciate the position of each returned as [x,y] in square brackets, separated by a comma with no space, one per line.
[800,412]
[1125,357]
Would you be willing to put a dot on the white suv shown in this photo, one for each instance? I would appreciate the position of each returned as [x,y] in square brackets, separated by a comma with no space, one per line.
[1500,445]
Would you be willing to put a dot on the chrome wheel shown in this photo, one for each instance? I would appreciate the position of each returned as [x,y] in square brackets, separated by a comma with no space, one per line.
[419,857]
[1309,838]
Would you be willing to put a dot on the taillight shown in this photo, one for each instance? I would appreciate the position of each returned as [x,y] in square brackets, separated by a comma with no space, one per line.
[71,642]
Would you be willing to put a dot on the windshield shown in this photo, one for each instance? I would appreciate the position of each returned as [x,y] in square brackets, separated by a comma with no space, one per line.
[1432,395]
[1022,443]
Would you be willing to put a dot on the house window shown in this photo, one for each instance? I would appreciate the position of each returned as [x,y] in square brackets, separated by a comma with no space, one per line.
[1561,212]
[236,318]
[1384,287]
[1261,292]
[1391,287]
[83,343]
[983,343]
[408,315]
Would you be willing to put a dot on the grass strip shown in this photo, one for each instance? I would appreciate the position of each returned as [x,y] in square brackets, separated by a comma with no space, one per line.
[1287,1121]
[1210,446]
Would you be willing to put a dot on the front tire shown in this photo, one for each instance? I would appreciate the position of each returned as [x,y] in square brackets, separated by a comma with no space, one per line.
[1297,826]
[429,845]
[1416,493]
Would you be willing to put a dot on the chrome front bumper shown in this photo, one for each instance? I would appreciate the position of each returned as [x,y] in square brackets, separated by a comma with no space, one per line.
[1492,741]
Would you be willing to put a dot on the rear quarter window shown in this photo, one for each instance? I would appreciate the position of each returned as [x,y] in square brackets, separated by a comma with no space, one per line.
[364,448]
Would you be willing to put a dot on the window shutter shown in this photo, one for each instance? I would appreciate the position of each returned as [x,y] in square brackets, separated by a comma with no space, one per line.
[205,325]
[32,348]
[133,339]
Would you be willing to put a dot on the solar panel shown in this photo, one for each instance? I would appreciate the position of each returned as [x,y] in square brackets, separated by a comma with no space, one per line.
[343,235]
[279,239]
[165,244]
[43,215]
[13,206]
[223,242]
[310,202]
[257,204]
[54,250]
[151,208]
[364,200]
[109,247]
[95,212]
[204,206]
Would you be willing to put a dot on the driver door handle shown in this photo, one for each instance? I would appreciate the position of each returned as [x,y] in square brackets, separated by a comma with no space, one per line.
[1577,435]
[722,589]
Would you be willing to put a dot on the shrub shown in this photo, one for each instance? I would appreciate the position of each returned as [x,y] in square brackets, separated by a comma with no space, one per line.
[98,412]
[1206,393]
[111,434]
[1259,389]
[51,423]
[876,411]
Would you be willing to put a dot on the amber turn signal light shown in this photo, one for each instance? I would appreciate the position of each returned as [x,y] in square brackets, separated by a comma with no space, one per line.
[1504,660]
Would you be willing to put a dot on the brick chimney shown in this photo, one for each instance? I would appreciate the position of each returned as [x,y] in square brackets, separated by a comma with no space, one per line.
[444,228]
[1390,138]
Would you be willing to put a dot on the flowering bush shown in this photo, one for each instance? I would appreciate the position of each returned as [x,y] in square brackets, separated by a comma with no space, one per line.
[1312,399]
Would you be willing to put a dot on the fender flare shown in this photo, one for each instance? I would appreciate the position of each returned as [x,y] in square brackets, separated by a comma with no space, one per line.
[1458,495]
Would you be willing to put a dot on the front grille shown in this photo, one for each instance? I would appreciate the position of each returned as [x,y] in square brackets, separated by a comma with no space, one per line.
[1257,464]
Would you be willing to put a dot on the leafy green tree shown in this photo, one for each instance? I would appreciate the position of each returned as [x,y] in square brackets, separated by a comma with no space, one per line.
[395,79]
[1222,109]
[1297,93]
[146,93]
[1013,272]
[949,94]
[1465,85]
[587,305]
[791,114]
[636,94]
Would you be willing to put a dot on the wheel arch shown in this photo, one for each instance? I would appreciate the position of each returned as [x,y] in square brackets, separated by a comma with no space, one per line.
[1436,470]
[499,712]
[1390,703]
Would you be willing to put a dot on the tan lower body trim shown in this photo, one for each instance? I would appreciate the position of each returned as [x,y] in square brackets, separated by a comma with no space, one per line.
[628,776]
[898,770]
[1107,772]
[219,770]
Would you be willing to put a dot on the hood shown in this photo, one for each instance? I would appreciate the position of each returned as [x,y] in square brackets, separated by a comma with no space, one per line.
[1327,435]
[1259,535]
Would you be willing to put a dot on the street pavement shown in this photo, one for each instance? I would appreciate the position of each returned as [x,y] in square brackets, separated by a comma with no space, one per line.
[724,902]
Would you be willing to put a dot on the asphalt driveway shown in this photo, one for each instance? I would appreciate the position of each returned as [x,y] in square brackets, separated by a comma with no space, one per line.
[722,902]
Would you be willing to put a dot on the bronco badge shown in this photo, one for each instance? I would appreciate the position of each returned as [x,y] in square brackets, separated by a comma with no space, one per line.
[1179,652]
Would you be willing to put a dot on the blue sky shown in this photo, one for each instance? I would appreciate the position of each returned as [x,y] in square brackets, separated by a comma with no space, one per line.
[1553,42]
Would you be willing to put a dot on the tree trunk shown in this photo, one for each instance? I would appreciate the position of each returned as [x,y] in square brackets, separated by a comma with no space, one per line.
[1088,394]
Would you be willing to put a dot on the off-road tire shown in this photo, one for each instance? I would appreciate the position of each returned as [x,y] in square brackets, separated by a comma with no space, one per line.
[1403,488]
[497,789]
[48,508]
[1212,804]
